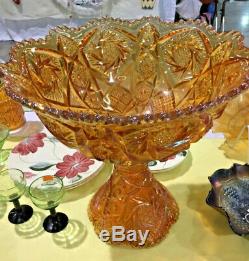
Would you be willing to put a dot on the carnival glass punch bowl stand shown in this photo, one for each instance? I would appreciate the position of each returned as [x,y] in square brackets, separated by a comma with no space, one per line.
[129,92]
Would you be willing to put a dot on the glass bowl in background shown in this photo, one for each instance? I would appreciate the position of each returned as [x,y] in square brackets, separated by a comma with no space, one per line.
[11,112]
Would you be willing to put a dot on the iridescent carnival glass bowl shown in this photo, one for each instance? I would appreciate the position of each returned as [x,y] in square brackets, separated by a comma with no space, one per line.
[129,92]
[230,196]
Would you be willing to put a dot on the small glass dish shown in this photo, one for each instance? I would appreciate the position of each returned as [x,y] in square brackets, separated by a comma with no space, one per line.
[46,193]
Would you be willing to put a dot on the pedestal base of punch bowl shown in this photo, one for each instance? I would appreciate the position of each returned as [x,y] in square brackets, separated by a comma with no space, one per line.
[133,199]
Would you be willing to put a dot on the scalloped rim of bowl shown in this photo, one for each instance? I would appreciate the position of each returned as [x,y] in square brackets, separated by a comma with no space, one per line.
[106,119]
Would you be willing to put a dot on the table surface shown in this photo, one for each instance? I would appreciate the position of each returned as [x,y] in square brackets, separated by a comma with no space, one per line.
[201,233]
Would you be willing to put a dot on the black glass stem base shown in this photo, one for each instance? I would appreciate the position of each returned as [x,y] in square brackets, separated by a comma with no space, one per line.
[55,223]
[20,215]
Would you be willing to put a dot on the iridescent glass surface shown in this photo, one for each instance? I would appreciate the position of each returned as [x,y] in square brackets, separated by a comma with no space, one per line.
[229,195]
[129,92]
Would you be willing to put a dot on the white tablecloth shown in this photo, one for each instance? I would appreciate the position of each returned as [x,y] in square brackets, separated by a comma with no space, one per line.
[33,18]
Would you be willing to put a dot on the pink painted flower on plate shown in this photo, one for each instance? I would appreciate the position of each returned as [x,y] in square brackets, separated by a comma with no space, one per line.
[30,144]
[29,175]
[73,165]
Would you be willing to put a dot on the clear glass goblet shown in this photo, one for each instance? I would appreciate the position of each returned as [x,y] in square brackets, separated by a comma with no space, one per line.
[46,193]
[12,187]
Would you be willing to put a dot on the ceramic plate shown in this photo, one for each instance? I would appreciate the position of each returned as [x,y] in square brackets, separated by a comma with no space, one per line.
[157,166]
[42,154]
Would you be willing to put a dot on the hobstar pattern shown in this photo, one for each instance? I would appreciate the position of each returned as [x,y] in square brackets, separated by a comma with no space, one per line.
[131,92]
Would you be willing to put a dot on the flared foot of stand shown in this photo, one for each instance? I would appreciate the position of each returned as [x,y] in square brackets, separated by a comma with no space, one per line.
[20,215]
[55,223]
[134,200]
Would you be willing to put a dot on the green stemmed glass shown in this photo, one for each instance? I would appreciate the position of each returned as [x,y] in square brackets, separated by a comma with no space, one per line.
[46,193]
[12,187]
[4,133]
[4,153]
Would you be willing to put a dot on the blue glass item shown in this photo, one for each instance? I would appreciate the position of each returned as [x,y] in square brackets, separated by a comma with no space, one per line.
[230,196]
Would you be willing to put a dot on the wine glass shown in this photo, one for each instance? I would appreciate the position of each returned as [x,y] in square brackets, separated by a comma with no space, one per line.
[46,193]
[4,133]
[4,153]
[12,187]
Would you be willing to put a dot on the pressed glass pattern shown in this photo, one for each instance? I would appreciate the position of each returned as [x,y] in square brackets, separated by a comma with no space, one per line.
[229,195]
[129,92]
[11,112]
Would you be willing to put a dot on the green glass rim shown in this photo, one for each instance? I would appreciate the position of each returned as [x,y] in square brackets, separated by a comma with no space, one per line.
[54,177]
[4,128]
[8,170]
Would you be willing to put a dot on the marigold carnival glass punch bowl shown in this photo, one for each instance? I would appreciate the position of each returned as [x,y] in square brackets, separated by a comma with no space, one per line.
[129,92]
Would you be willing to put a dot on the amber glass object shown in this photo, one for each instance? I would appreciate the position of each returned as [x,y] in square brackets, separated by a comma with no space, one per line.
[129,92]
[235,118]
[234,125]
[11,112]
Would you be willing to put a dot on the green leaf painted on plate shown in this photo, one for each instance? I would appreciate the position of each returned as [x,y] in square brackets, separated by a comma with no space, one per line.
[78,178]
[41,166]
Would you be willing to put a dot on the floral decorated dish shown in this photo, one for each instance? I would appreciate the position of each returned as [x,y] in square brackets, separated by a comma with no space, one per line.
[230,196]
[157,166]
[41,154]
